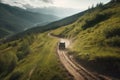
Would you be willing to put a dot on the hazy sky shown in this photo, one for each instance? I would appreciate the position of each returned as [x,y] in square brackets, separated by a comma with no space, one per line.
[79,4]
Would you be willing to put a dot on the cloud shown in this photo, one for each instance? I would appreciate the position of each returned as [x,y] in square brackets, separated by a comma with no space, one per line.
[48,1]
[77,4]
[30,3]
[0,1]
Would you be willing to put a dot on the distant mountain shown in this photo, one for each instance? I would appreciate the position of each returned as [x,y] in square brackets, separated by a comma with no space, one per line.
[57,11]
[50,26]
[14,19]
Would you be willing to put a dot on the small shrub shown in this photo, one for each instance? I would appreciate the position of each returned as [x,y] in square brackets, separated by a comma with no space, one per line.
[114,41]
[8,62]
[92,22]
[56,77]
[23,51]
[72,52]
[16,75]
[14,44]
[112,32]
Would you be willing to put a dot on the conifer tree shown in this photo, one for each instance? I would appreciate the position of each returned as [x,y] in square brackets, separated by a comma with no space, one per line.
[115,0]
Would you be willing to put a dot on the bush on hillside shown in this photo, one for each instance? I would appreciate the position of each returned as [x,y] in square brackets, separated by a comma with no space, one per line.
[112,32]
[113,42]
[112,35]
[92,22]
[56,77]
[16,75]
[23,51]
[8,62]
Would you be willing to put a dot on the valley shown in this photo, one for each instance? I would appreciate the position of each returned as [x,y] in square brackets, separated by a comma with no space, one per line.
[89,49]
[14,20]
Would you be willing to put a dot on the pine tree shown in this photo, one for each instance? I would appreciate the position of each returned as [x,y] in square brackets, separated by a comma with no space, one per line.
[99,5]
[115,0]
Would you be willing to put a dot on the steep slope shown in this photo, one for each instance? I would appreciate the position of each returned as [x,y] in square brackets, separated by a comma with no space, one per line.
[96,39]
[31,55]
[13,19]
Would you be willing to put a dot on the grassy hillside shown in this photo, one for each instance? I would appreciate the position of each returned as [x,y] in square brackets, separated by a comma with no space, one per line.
[13,19]
[96,39]
[31,58]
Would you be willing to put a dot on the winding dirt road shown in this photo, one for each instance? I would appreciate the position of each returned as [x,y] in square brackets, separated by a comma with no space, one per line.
[75,69]
[78,72]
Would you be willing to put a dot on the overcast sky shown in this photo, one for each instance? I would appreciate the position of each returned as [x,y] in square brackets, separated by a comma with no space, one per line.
[78,4]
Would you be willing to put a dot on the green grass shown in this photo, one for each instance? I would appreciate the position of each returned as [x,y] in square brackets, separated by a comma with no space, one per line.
[96,37]
[93,32]
[41,58]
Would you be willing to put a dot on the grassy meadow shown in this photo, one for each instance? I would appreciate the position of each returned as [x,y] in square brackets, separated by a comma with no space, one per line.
[31,58]
[96,39]
[95,44]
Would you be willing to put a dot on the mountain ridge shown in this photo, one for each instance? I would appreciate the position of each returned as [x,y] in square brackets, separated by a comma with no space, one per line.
[14,19]
[57,11]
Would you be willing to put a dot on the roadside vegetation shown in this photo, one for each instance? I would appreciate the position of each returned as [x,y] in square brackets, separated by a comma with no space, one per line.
[96,38]
[31,58]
